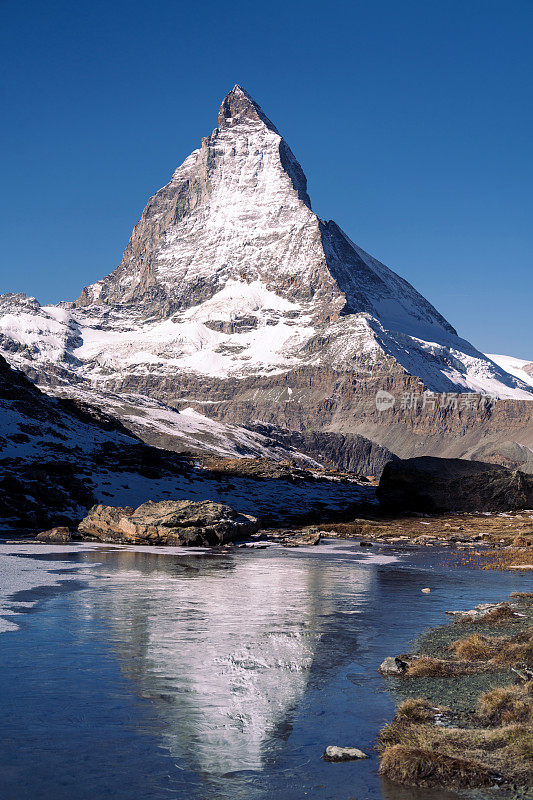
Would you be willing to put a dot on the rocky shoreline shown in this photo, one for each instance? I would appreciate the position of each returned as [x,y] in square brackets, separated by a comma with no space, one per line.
[488,541]
[465,716]
[497,535]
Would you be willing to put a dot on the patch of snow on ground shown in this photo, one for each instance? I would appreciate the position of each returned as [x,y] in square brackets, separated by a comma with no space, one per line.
[267,498]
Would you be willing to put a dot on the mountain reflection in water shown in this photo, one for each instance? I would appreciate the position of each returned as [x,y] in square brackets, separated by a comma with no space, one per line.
[225,647]
[175,675]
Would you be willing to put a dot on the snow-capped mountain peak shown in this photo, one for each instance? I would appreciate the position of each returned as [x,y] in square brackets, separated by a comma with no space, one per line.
[236,215]
[232,286]
[239,107]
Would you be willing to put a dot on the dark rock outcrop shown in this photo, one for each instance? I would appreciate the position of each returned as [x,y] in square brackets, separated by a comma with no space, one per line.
[348,452]
[170,522]
[434,485]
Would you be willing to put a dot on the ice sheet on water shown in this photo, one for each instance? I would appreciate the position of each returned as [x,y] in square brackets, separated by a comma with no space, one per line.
[20,574]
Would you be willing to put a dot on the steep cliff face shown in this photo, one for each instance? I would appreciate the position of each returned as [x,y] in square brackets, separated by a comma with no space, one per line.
[236,210]
[233,296]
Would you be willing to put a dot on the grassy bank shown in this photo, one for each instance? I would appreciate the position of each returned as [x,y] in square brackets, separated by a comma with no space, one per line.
[490,541]
[465,712]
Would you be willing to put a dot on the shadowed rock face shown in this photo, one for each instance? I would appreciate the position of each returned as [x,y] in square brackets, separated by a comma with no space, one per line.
[349,452]
[54,455]
[168,523]
[433,485]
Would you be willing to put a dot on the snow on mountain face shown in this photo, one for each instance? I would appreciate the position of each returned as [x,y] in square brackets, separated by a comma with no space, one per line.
[515,366]
[230,274]
[236,208]
[187,430]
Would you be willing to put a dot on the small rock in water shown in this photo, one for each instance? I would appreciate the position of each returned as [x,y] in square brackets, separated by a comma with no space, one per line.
[426,590]
[59,535]
[333,753]
[365,544]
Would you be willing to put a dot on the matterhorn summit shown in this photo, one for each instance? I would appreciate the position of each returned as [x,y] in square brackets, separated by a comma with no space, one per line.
[234,298]
[237,213]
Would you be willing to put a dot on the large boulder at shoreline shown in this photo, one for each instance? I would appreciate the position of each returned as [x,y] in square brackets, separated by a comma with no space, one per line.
[433,485]
[170,522]
[59,535]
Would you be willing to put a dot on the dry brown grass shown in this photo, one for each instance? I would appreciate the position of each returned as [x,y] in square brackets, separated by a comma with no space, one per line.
[497,615]
[354,529]
[505,749]
[410,733]
[520,739]
[506,705]
[505,559]
[492,529]
[425,768]
[522,541]
[415,751]
[475,648]
[516,650]
[501,651]
[416,709]
[428,667]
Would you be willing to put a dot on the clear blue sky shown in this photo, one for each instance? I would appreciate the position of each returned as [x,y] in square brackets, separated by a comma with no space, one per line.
[412,120]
